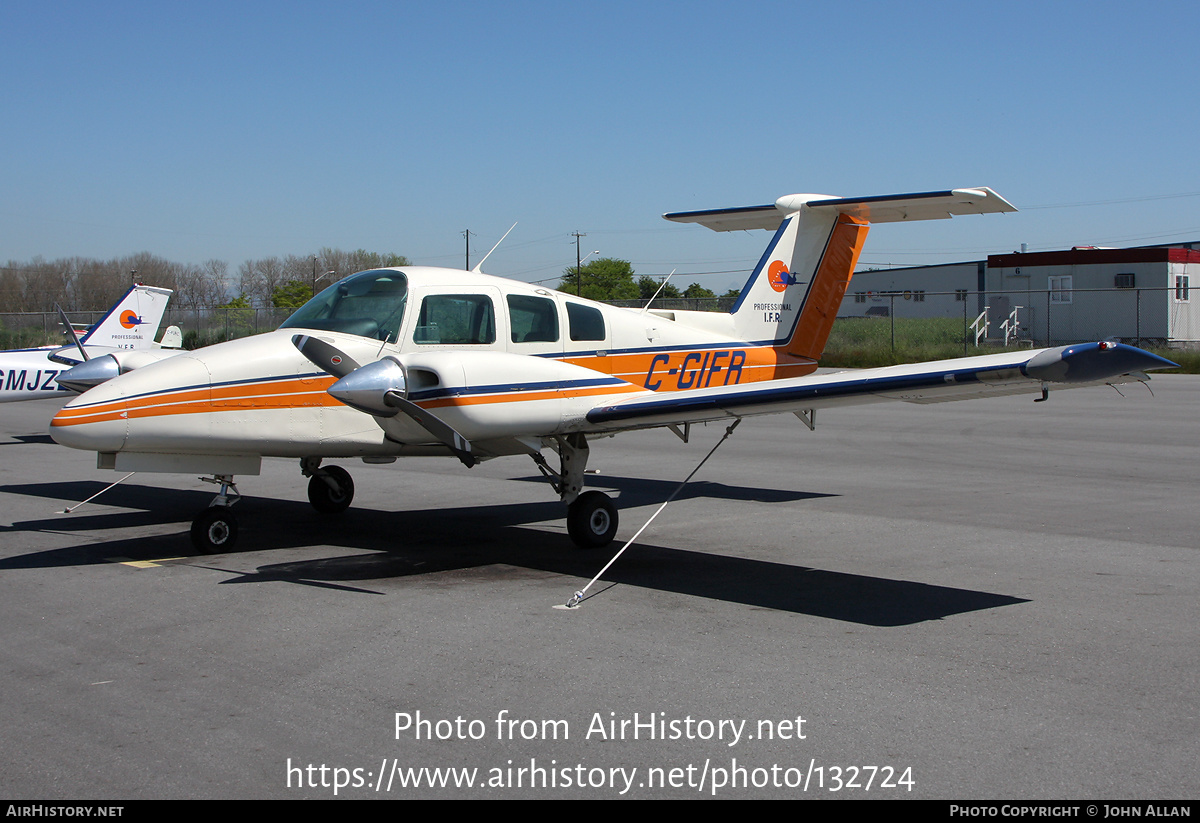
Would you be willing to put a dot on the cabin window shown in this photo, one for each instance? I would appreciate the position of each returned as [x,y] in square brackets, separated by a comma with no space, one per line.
[533,319]
[456,319]
[368,304]
[960,295]
[586,322]
[1182,288]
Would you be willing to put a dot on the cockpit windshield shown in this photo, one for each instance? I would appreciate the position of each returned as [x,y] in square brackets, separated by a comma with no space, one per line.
[368,304]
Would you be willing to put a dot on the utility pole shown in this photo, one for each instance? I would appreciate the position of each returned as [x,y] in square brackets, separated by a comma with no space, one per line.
[467,234]
[578,265]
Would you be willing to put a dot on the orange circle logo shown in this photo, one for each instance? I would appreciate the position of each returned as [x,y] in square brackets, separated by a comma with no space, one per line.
[778,276]
[129,319]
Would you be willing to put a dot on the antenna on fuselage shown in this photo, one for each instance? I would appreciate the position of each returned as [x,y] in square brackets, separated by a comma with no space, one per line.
[479,266]
[661,286]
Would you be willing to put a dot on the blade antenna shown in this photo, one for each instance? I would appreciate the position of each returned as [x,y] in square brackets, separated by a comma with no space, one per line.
[479,266]
[661,286]
[574,602]
[62,316]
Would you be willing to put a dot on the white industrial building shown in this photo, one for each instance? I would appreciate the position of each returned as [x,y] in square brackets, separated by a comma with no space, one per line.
[1134,295]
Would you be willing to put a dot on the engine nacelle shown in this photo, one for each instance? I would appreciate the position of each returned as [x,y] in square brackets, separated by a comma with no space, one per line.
[480,394]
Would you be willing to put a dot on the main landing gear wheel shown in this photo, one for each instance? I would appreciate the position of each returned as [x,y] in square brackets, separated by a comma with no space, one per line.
[331,499]
[214,530]
[592,520]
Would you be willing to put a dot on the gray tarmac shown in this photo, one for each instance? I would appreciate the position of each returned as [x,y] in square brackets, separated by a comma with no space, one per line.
[979,600]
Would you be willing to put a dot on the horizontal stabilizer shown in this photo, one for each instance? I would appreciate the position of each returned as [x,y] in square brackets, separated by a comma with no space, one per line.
[887,208]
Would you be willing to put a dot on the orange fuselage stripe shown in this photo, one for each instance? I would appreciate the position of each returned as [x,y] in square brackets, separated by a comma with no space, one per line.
[666,369]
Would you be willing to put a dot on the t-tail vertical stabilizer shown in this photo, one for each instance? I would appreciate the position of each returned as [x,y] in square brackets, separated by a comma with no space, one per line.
[793,295]
[133,322]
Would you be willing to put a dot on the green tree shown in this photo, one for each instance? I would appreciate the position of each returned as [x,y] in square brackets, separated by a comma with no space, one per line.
[695,291]
[603,279]
[647,286]
[291,295]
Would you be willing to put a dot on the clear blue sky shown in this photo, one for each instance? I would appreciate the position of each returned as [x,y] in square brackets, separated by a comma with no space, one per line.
[243,130]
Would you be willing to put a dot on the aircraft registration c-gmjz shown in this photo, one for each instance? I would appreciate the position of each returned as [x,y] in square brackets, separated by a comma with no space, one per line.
[414,360]
[127,330]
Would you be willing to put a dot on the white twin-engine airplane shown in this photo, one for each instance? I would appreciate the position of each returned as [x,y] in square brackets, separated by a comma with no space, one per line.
[427,361]
[127,330]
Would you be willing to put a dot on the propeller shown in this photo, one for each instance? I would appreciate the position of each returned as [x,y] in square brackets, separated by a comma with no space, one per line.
[324,356]
[62,316]
[379,389]
[458,444]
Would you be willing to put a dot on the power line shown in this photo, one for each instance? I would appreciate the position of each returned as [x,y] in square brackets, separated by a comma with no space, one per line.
[1145,199]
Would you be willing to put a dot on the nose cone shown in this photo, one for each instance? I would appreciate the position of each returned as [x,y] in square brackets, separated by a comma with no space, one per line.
[99,423]
[136,410]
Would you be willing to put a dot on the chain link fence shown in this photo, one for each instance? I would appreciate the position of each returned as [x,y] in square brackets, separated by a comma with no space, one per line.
[1150,317]
[200,326]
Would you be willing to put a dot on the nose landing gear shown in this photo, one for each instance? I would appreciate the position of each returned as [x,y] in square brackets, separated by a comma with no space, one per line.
[215,529]
[330,490]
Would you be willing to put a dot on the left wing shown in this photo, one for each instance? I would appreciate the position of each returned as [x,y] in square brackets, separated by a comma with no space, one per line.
[939,381]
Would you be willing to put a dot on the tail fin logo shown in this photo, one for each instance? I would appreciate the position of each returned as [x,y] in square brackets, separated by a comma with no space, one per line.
[779,277]
[129,319]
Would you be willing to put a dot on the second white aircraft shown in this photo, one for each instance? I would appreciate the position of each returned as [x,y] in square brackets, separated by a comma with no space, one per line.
[129,327]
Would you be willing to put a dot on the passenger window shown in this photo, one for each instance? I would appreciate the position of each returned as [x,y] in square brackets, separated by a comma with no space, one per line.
[456,319]
[534,319]
[586,323]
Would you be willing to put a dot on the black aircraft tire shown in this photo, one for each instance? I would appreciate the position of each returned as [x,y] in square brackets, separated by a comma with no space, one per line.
[325,499]
[214,530]
[592,520]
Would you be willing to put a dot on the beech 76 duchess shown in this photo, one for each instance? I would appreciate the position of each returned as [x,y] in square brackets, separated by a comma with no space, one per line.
[427,361]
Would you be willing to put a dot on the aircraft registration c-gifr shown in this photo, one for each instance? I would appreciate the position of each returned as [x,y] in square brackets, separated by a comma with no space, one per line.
[126,331]
[424,361]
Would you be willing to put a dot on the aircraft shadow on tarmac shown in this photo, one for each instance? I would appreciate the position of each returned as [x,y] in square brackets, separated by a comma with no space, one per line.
[29,439]
[417,543]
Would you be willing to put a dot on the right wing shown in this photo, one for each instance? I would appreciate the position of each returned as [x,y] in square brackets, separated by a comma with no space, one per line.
[934,382]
